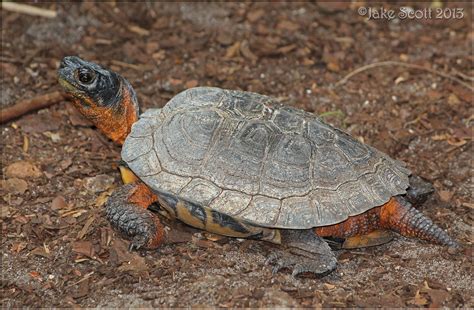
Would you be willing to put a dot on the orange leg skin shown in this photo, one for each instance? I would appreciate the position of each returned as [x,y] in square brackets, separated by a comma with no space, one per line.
[126,210]
[396,215]
[142,196]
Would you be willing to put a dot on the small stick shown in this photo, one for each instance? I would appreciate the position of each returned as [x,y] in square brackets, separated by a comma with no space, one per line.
[401,64]
[24,106]
[28,9]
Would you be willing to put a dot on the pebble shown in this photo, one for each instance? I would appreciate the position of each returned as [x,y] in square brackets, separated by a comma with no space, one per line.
[59,203]
[99,183]
[23,170]
[14,185]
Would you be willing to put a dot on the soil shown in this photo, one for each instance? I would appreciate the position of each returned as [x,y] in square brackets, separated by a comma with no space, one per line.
[57,170]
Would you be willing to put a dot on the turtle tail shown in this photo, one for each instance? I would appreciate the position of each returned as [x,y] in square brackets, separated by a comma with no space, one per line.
[400,216]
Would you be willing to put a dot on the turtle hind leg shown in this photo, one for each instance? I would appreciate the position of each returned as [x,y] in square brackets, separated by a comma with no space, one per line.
[303,252]
[126,210]
[399,216]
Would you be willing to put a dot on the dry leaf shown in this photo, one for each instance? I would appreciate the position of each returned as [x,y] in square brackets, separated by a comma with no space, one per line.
[191,84]
[445,195]
[40,251]
[455,141]
[17,247]
[419,299]
[441,137]
[255,15]
[453,100]
[246,52]
[233,50]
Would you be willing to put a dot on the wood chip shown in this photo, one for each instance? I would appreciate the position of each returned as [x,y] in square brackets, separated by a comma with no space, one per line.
[85,228]
[84,248]
[138,30]
[28,9]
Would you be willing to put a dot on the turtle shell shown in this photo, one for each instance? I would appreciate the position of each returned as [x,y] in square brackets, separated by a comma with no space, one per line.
[246,155]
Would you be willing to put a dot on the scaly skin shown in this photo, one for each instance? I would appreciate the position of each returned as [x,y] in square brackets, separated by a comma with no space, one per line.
[115,124]
[126,210]
[397,215]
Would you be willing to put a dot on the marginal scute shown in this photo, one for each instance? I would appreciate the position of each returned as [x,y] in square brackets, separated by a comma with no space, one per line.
[245,104]
[151,113]
[231,202]
[194,97]
[145,165]
[320,133]
[358,197]
[353,149]
[136,147]
[297,213]
[143,127]
[262,210]
[200,191]
[378,188]
[391,179]
[166,182]
[330,206]
[288,121]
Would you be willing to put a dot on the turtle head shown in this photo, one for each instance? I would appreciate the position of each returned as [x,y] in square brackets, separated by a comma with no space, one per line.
[102,96]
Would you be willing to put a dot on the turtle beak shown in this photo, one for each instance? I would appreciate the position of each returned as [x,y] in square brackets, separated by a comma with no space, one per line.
[66,70]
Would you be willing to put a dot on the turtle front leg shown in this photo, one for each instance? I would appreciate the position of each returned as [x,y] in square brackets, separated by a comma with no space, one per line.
[126,210]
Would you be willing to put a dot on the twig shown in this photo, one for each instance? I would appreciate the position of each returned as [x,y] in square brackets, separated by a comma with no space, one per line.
[28,9]
[24,106]
[122,20]
[401,64]
[463,76]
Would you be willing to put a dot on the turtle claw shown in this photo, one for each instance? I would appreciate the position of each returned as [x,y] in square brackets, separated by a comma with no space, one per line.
[272,257]
[138,242]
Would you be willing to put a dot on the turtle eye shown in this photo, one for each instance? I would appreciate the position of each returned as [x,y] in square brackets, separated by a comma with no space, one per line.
[86,76]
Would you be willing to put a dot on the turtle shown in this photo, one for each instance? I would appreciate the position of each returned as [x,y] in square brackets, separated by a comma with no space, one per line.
[244,165]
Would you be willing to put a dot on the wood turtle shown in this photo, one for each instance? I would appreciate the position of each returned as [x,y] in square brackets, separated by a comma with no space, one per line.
[240,164]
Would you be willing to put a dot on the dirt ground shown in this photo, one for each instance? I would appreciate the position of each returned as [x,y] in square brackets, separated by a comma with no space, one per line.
[57,171]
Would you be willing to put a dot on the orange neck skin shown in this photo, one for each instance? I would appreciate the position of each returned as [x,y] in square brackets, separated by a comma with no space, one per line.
[114,122]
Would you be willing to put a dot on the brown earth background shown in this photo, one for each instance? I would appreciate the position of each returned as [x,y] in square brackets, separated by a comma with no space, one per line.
[57,171]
